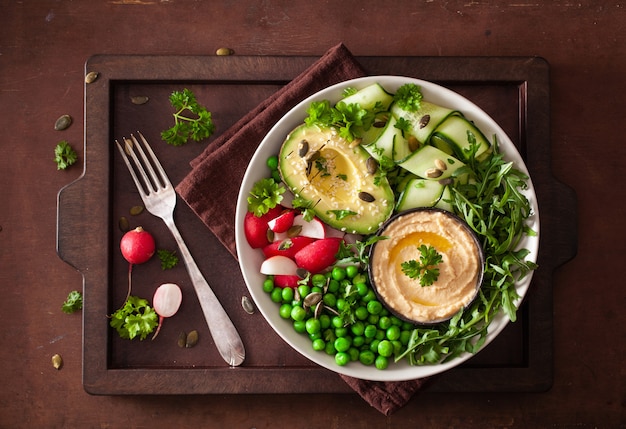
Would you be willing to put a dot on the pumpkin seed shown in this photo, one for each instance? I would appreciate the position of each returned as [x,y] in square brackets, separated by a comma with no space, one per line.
[318,309]
[57,361]
[224,52]
[302,273]
[433,173]
[367,197]
[182,339]
[294,231]
[91,77]
[63,122]
[139,99]
[247,305]
[424,120]
[379,124]
[354,143]
[371,165]
[269,235]
[123,224]
[192,339]
[440,164]
[414,144]
[446,181]
[136,210]
[303,148]
[312,299]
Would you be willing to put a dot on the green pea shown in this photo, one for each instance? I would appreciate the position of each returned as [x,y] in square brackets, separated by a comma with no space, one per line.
[405,336]
[341,304]
[361,313]
[333,286]
[367,357]
[315,336]
[276,176]
[374,307]
[330,299]
[277,295]
[324,321]
[342,358]
[369,296]
[362,289]
[373,319]
[272,162]
[393,333]
[384,322]
[370,331]
[337,322]
[299,326]
[268,285]
[385,348]
[381,362]
[318,280]
[304,290]
[354,354]
[313,326]
[351,271]
[341,332]
[338,273]
[298,313]
[374,346]
[287,294]
[357,328]
[330,348]
[285,311]
[319,344]
[342,344]
[358,341]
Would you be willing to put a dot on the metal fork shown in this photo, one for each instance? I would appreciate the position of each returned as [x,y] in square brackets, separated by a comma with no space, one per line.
[159,197]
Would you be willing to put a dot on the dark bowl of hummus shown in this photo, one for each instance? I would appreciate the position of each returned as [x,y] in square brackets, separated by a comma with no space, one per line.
[427,265]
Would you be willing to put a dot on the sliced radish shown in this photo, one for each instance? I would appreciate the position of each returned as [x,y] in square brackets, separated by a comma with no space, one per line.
[283,222]
[333,232]
[313,228]
[166,302]
[286,281]
[279,265]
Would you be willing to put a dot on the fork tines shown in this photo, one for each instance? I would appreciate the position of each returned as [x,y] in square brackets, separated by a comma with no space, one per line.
[152,180]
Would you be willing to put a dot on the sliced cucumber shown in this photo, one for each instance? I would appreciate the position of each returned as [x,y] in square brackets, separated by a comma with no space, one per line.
[420,193]
[428,162]
[444,202]
[425,120]
[373,132]
[454,132]
[369,97]
[390,143]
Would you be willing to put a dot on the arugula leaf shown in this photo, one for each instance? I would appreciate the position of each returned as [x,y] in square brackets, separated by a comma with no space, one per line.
[192,120]
[424,270]
[342,214]
[64,155]
[265,195]
[409,97]
[356,252]
[134,319]
[168,259]
[73,303]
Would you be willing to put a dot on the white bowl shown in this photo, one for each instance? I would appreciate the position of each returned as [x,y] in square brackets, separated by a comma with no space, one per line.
[250,259]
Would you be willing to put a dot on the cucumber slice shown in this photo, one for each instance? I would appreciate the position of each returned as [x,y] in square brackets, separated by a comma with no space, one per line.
[427,162]
[420,193]
[390,143]
[444,202]
[425,120]
[373,133]
[369,97]
[452,134]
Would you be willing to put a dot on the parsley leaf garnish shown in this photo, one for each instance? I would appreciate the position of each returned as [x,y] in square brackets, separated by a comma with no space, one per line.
[343,116]
[73,303]
[64,155]
[135,319]
[265,195]
[168,259]
[425,270]
[192,120]
[409,97]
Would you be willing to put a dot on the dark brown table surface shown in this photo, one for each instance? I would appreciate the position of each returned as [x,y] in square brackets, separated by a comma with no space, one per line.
[43,48]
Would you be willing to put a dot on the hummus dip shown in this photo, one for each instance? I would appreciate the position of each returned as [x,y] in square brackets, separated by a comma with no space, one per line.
[460,272]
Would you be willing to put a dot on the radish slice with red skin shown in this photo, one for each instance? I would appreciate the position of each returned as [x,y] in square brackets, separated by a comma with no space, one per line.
[166,302]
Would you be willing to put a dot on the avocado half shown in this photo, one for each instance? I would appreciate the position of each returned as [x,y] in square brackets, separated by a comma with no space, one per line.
[335,178]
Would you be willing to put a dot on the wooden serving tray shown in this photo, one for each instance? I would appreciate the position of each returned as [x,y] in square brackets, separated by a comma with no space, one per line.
[514,91]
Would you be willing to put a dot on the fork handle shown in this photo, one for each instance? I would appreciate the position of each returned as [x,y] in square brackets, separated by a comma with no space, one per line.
[224,333]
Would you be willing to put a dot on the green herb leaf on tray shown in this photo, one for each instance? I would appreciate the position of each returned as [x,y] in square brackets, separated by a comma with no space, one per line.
[64,155]
[73,303]
[168,259]
[192,120]
[134,319]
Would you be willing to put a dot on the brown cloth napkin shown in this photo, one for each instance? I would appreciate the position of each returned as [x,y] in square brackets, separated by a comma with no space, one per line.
[226,159]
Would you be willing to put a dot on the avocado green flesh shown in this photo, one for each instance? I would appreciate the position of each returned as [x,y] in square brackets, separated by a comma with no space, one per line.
[333,177]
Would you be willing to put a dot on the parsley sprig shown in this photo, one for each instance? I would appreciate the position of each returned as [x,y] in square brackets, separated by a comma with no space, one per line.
[265,195]
[64,155]
[409,97]
[168,259]
[192,120]
[346,117]
[73,303]
[135,319]
[426,268]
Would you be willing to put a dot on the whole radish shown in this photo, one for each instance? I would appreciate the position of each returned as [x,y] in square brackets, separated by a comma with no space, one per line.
[137,247]
[166,302]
